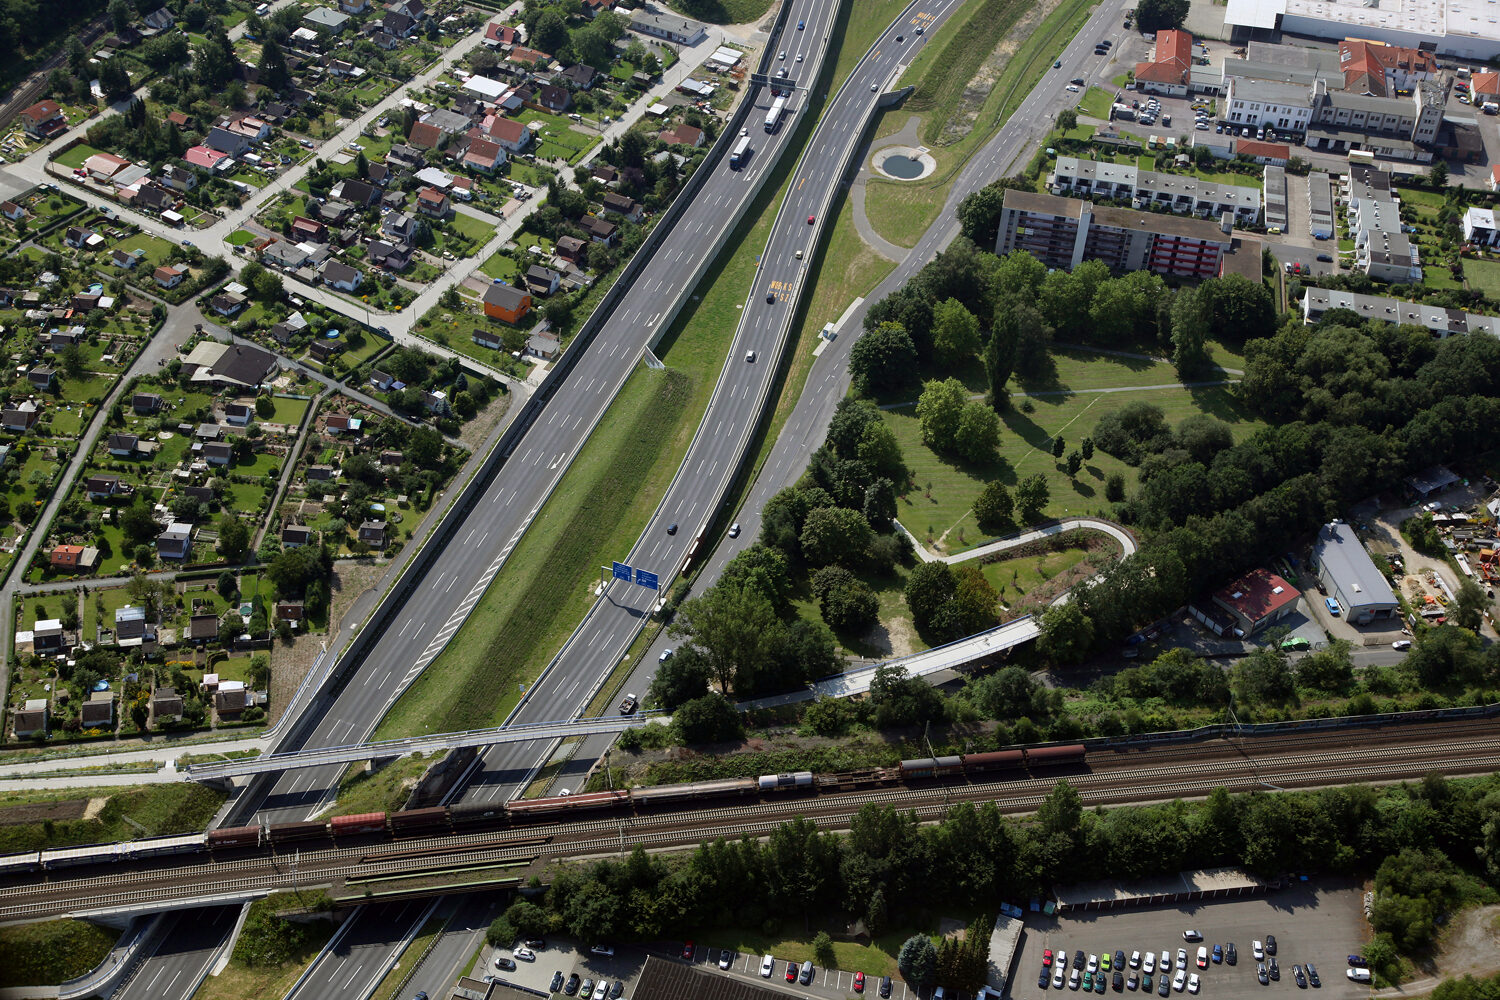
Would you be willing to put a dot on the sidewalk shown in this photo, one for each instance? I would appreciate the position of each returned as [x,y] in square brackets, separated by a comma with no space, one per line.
[1127,543]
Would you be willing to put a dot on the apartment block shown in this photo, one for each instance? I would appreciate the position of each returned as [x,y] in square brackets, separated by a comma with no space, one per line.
[1177,193]
[1438,321]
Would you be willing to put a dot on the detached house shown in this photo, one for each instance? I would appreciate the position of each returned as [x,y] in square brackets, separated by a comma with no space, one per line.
[342,276]
[295,536]
[43,120]
[372,533]
[506,303]
[432,202]
[170,275]
[101,489]
[145,404]
[622,205]
[483,155]
[176,542]
[123,445]
[74,558]
[18,418]
[554,98]
[511,135]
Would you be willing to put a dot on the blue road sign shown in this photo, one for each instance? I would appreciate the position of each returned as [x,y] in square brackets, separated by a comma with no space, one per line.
[647,580]
[621,572]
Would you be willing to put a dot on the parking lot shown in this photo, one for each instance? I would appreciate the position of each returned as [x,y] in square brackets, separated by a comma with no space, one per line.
[1320,922]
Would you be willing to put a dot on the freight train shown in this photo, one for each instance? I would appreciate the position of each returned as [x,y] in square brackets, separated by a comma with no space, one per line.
[457,819]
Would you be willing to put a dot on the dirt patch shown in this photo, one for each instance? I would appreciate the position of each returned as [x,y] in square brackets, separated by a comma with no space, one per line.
[1470,947]
[475,431]
[977,91]
[949,927]
[96,806]
[290,663]
[41,812]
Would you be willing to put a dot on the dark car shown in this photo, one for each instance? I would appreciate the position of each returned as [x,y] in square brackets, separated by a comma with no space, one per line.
[616,990]
[1300,979]
[1274,969]
[1270,944]
[1218,953]
[537,944]
[1325,258]
[557,981]
[1230,955]
[1312,976]
[1119,981]
[672,528]
[1165,987]
[1041,980]
[504,963]
[572,985]
[1077,81]
[801,25]
[1357,961]
[807,973]
[1260,973]
[1120,958]
[885,987]
[1078,959]
[1055,65]
[771,297]
[1099,983]
[900,38]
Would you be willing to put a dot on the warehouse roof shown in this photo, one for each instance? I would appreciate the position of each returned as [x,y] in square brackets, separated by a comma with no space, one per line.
[1340,551]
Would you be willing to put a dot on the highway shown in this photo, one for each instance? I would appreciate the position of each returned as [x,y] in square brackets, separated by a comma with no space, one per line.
[189,946]
[434,611]
[361,952]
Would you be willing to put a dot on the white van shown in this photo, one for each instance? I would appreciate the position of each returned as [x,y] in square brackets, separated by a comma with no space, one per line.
[1359,975]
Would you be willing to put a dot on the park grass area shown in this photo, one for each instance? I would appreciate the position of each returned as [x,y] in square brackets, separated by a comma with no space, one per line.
[239,238]
[1025,573]
[53,951]
[470,228]
[289,411]
[418,947]
[725,11]
[239,981]
[1096,103]
[383,790]
[901,211]
[75,157]
[875,959]
[938,509]
[129,813]
[500,266]
[531,607]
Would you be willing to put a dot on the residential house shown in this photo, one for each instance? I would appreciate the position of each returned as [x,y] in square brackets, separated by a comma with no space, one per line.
[506,303]
[355,192]
[554,98]
[123,445]
[126,259]
[309,230]
[528,57]
[321,473]
[541,281]
[227,303]
[342,423]
[497,34]
[342,276]
[425,136]
[205,158]
[43,120]
[385,40]
[622,205]
[683,135]
[74,558]
[144,404]
[392,458]
[483,88]
[606,175]
[414,9]
[544,345]
[512,135]
[398,226]
[57,340]
[31,719]
[225,141]
[291,611]
[295,536]
[238,414]
[381,381]
[41,377]
[76,237]
[287,256]
[47,635]
[398,25]
[599,231]
[1169,71]
[394,257]
[432,202]
[578,76]
[570,248]
[354,6]
[325,350]
[405,157]
[493,339]
[12,211]
[170,275]
[178,178]
[202,629]
[235,365]
[220,453]
[372,533]
[99,711]
[325,20]
[103,488]
[103,166]
[180,118]
[166,703]
[484,155]
[176,542]
[156,22]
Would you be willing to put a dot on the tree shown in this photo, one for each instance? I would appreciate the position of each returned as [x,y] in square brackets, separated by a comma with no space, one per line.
[728,624]
[265,407]
[1192,322]
[1087,446]
[882,359]
[1328,669]
[138,523]
[119,15]
[881,451]
[1009,693]
[273,69]
[1067,633]
[955,333]
[834,535]
[559,312]
[361,166]
[234,536]
[681,678]
[1469,605]
[709,719]
[1032,497]
[880,504]
[550,32]
[847,604]
[939,411]
[1000,358]
[979,214]
[227,584]
[1075,462]
[978,433]
[1067,119]
[994,508]
[917,960]
[1263,677]
[928,588]
[1159,15]
[1439,174]
[1058,444]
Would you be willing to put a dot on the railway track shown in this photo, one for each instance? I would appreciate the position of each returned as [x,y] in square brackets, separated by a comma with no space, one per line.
[78,890]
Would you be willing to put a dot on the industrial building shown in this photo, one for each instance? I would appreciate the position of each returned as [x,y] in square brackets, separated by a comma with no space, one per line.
[1350,576]
[1257,599]
[1452,27]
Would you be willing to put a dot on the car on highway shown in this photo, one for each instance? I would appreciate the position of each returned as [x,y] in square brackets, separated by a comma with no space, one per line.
[781,56]
[672,528]
[420,996]
[770,297]
[781,73]
[801,25]
[799,56]
[734,530]
[810,219]
[557,982]
[750,357]
[507,964]
[885,987]
[1057,64]
[767,966]
[791,972]
[1312,976]
[900,38]
[799,253]
[629,704]
[687,950]
[859,982]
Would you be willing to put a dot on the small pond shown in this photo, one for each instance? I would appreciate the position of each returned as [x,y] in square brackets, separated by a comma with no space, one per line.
[903,167]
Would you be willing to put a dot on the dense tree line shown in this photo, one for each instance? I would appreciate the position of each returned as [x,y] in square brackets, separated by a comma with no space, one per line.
[1419,840]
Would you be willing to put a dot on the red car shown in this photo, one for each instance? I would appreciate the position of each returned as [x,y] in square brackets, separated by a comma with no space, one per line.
[1047,959]
[687,951]
[791,972]
[810,219]
[859,982]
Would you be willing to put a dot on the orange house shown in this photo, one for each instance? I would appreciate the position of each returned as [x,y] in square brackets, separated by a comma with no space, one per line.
[504,302]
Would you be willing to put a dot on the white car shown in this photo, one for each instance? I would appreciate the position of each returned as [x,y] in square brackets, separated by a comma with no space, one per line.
[602,990]
[1202,957]
[1135,960]
[725,957]
[1258,950]
[608,951]
[1179,981]
[1073,979]
[1072,88]
[767,966]
[1182,958]
[524,954]
[1193,983]
[1166,963]
[1093,963]
[1149,965]
[1057,977]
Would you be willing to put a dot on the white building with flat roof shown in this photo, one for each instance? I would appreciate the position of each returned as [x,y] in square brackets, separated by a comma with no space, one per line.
[1466,28]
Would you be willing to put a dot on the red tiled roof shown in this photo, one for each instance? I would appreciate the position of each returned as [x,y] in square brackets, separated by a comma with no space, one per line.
[507,130]
[1257,594]
[1174,59]
[1253,148]
[425,136]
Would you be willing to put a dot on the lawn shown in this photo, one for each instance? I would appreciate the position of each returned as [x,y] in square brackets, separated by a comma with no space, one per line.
[263,463]
[385,790]
[470,228]
[53,951]
[937,510]
[239,238]
[74,157]
[501,266]
[1096,103]
[155,249]
[874,960]
[1028,572]
[902,210]
[288,410]
[241,982]
[247,496]
[530,609]
[1481,275]
[132,812]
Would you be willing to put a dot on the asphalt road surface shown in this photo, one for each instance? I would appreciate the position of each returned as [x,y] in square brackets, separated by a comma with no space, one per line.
[189,946]
[417,632]
[361,958]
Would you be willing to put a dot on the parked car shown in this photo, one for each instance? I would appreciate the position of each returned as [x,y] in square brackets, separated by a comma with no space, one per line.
[1312,976]
[1231,956]
[571,987]
[859,982]
[505,963]
[1179,981]
[791,972]
[1193,983]
[687,950]
[885,987]
[725,958]
[767,965]
[1270,944]
[557,982]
